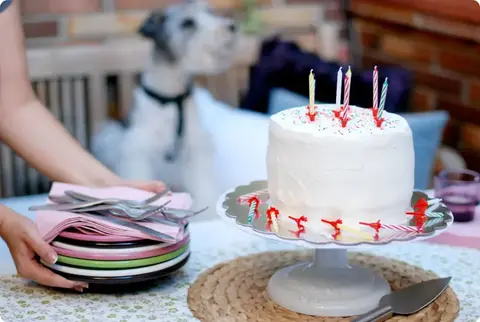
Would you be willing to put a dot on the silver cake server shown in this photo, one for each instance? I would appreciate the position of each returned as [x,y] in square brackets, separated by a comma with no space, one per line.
[406,301]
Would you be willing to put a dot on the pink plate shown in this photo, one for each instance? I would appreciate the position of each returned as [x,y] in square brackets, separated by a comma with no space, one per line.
[97,238]
[87,254]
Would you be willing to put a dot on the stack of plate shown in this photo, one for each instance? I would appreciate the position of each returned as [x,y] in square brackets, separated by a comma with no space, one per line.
[113,260]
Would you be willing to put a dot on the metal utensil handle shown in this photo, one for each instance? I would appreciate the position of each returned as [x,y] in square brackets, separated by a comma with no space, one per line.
[146,202]
[379,314]
[83,197]
[159,195]
[183,212]
[66,207]
[127,223]
[102,208]
[179,214]
[166,222]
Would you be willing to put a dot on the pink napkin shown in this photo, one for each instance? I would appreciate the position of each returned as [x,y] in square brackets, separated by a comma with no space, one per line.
[51,223]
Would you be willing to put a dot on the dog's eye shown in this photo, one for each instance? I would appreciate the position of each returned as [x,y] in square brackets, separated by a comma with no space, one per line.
[188,23]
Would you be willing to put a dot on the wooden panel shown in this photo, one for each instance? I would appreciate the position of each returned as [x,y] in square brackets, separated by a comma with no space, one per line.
[8,173]
[66,103]
[80,109]
[403,15]
[463,10]
[105,24]
[20,173]
[97,103]
[126,84]
[35,180]
[71,81]
[292,16]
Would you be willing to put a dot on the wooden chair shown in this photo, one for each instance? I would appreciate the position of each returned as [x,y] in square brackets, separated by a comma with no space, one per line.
[75,82]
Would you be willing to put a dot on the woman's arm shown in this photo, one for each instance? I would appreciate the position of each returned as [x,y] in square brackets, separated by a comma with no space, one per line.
[28,127]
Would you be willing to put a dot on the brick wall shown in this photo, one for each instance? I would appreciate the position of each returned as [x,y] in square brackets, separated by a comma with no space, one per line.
[48,22]
[443,51]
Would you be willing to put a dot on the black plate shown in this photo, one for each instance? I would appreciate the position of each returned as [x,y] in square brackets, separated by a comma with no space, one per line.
[124,283]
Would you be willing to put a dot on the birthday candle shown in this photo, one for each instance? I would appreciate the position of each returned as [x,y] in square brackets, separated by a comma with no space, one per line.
[311,81]
[339,87]
[434,214]
[244,199]
[251,212]
[383,98]
[375,88]
[434,201]
[377,225]
[346,94]
[275,224]
[400,227]
[355,231]
[345,112]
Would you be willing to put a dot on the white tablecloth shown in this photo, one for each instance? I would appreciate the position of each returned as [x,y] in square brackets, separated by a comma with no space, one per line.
[214,242]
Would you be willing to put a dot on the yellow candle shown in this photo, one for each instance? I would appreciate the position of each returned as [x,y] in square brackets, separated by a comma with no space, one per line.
[275,227]
[355,231]
[311,82]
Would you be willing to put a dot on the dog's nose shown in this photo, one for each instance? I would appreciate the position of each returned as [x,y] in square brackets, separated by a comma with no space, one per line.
[232,27]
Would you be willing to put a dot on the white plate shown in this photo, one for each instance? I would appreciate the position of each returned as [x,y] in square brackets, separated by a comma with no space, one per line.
[117,272]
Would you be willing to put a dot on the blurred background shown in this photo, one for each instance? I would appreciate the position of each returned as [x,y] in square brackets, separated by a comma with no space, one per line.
[85,58]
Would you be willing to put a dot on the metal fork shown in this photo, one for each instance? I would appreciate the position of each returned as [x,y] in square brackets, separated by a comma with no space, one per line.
[130,203]
[172,214]
[109,210]
[122,212]
[117,211]
[70,206]
[83,206]
[135,214]
[69,203]
[177,214]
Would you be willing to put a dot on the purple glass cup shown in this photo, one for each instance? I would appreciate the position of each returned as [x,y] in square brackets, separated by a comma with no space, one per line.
[459,190]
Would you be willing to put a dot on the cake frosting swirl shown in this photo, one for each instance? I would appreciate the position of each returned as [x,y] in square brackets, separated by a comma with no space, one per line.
[322,170]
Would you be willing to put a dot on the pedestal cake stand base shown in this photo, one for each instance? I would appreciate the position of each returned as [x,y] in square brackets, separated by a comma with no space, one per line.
[328,286]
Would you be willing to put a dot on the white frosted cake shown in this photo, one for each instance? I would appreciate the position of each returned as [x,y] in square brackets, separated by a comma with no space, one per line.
[322,170]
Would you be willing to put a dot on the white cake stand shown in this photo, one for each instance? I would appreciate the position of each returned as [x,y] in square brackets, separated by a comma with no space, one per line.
[328,286]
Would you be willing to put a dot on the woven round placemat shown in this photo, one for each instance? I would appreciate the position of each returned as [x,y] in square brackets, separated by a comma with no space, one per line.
[237,290]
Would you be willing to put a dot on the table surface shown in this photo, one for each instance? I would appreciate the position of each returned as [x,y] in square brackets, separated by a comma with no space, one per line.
[213,241]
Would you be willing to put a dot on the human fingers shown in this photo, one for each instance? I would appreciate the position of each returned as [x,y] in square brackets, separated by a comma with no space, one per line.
[44,276]
[35,242]
[37,271]
[151,186]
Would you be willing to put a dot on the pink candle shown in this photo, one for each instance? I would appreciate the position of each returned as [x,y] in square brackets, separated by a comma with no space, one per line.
[375,88]
[346,99]
[346,96]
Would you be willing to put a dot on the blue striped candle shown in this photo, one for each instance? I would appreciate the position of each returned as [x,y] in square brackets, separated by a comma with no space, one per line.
[383,98]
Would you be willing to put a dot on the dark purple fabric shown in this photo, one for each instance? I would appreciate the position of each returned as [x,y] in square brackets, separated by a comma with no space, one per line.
[283,64]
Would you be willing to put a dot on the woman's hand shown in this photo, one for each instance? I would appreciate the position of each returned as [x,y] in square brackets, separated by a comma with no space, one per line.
[151,186]
[24,242]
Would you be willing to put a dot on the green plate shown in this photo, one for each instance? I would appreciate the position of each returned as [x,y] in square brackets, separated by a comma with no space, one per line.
[78,262]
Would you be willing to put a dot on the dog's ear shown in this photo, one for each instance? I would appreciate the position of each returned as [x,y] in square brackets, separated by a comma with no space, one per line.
[152,24]
[154,28]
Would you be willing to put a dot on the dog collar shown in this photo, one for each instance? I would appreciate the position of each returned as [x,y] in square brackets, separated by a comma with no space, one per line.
[179,101]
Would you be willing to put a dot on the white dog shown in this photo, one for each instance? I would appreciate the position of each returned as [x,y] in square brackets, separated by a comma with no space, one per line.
[163,138]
